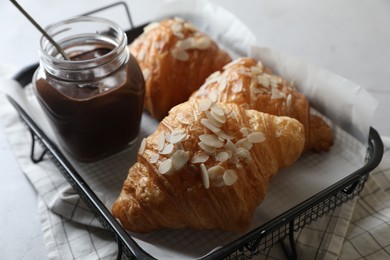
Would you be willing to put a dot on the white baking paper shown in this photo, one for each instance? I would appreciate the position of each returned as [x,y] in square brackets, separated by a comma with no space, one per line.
[349,107]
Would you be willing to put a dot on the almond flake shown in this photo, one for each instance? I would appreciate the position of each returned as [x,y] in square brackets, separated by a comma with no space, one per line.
[209,125]
[186,44]
[232,63]
[219,118]
[242,153]
[176,136]
[212,119]
[180,55]
[146,74]
[213,96]
[256,70]
[276,94]
[203,43]
[222,156]
[211,140]
[179,159]
[161,141]
[141,149]
[218,110]
[206,148]
[154,157]
[205,176]
[223,82]
[199,158]
[165,167]
[233,160]
[177,27]
[288,101]
[245,131]
[230,177]
[151,26]
[244,143]
[216,175]
[230,146]
[141,55]
[237,87]
[224,135]
[190,27]
[168,149]
[263,80]
[178,19]
[205,104]
[256,137]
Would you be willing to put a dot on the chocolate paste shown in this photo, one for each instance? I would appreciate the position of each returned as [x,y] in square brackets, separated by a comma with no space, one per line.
[92,122]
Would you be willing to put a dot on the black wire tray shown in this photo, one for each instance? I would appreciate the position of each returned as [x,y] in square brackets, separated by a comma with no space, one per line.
[280,229]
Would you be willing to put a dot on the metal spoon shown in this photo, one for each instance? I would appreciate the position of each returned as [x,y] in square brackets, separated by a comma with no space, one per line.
[66,57]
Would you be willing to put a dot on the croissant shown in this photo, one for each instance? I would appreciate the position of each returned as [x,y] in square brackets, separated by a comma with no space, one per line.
[248,83]
[175,58]
[207,166]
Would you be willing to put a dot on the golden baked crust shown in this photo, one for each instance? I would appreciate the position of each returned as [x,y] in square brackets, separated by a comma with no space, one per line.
[198,173]
[175,58]
[248,83]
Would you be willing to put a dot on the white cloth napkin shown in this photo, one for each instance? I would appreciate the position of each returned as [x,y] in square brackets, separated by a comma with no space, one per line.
[358,229]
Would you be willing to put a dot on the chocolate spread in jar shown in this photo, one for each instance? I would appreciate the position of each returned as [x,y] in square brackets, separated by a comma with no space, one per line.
[98,118]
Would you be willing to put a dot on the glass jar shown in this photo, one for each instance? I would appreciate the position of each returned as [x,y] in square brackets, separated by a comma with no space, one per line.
[94,100]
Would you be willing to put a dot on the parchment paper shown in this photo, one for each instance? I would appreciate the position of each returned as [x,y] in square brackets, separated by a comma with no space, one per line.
[347,105]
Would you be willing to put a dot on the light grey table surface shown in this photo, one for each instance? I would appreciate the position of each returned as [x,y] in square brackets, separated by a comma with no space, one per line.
[350,38]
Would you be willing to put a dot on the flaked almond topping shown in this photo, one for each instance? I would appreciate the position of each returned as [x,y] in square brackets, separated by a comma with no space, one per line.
[223,82]
[230,177]
[186,44]
[146,74]
[199,158]
[232,63]
[212,119]
[216,175]
[180,55]
[161,141]
[244,143]
[177,30]
[275,81]
[205,104]
[178,19]
[141,55]
[176,136]
[211,140]
[141,149]
[168,149]
[203,43]
[151,26]
[222,156]
[205,176]
[179,159]
[242,153]
[190,27]
[245,131]
[263,80]
[219,118]
[214,75]
[239,166]
[217,110]
[165,167]
[237,87]
[213,96]
[154,157]
[233,160]
[256,70]
[276,94]
[182,119]
[256,137]
[209,125]
[223,135]
[230,146]
[206,148]
[288,101]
